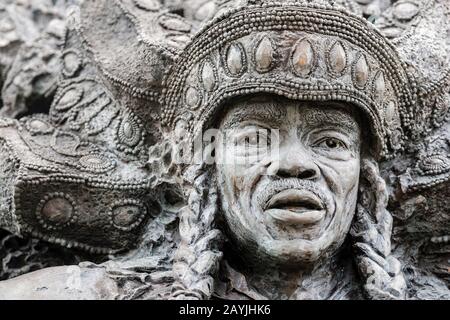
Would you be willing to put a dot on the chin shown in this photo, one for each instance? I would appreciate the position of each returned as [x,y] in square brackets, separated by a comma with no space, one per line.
[296,252]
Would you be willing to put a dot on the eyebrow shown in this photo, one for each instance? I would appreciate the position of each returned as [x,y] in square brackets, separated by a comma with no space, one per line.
[337,118]
[259,111]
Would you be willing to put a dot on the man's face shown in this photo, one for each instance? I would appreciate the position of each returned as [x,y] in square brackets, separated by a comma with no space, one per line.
[292,199]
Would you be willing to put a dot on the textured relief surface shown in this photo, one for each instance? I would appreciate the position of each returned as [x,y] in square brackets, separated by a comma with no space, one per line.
[242,149]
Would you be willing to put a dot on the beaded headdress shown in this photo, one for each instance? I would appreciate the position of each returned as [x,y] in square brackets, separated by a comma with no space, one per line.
[301,50]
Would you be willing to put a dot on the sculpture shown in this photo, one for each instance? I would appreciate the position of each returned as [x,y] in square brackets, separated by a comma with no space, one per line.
[123,154]
[288,214]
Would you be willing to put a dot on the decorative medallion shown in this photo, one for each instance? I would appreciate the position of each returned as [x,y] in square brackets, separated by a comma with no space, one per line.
[71,63]
[337,59]
[96,163]
[127,214]
[234,59]
[56,210]
[360,71]
[38,126]
[434,164]
[68,98]
[129,132]
[264,55]
[303,58]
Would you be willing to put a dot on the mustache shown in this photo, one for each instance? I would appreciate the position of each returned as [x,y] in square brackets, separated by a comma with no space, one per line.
[275,186]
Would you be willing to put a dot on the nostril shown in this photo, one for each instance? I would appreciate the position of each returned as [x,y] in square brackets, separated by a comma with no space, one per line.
[284,174]
[307,174]
[303,174]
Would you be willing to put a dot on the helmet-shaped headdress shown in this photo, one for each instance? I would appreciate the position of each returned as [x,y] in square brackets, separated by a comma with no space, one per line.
[303,50]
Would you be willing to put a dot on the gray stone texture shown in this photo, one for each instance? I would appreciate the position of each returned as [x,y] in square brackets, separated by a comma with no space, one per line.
[102,102]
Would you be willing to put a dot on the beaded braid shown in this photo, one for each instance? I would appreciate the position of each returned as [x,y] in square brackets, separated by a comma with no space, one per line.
[371,232]
[197,258]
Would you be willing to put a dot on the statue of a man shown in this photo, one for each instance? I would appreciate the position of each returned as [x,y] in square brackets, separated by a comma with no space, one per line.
[334,102]
[275,117]
[288,213]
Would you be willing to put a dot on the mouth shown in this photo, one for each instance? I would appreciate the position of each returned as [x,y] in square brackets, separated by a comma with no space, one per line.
[295,206]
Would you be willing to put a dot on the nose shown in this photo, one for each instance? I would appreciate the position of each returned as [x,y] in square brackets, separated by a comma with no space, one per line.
[296,162]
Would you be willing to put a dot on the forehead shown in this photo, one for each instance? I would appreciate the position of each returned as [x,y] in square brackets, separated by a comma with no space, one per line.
[273,110]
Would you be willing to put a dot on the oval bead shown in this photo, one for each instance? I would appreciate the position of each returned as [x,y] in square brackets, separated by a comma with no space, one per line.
[128,130]
[192,97]
[71,63]
[264,55]
[361,72]
[303,58]
[337,58]
[379,86]
[208,76]
[234,59]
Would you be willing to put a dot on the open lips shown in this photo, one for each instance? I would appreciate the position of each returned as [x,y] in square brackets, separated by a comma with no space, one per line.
[295,206]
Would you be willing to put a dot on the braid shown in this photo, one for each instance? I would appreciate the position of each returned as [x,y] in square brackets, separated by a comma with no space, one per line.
[197,257]
[371,232]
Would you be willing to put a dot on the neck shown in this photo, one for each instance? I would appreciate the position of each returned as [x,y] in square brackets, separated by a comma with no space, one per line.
[320,281]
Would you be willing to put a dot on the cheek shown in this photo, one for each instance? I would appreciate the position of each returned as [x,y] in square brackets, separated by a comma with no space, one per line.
[230,177]
[341,176]
[349,174]
[241,176]
[233,168]
[233,179]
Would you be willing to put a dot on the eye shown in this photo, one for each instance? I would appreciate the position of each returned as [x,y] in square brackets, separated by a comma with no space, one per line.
[254,138]
[331,143]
